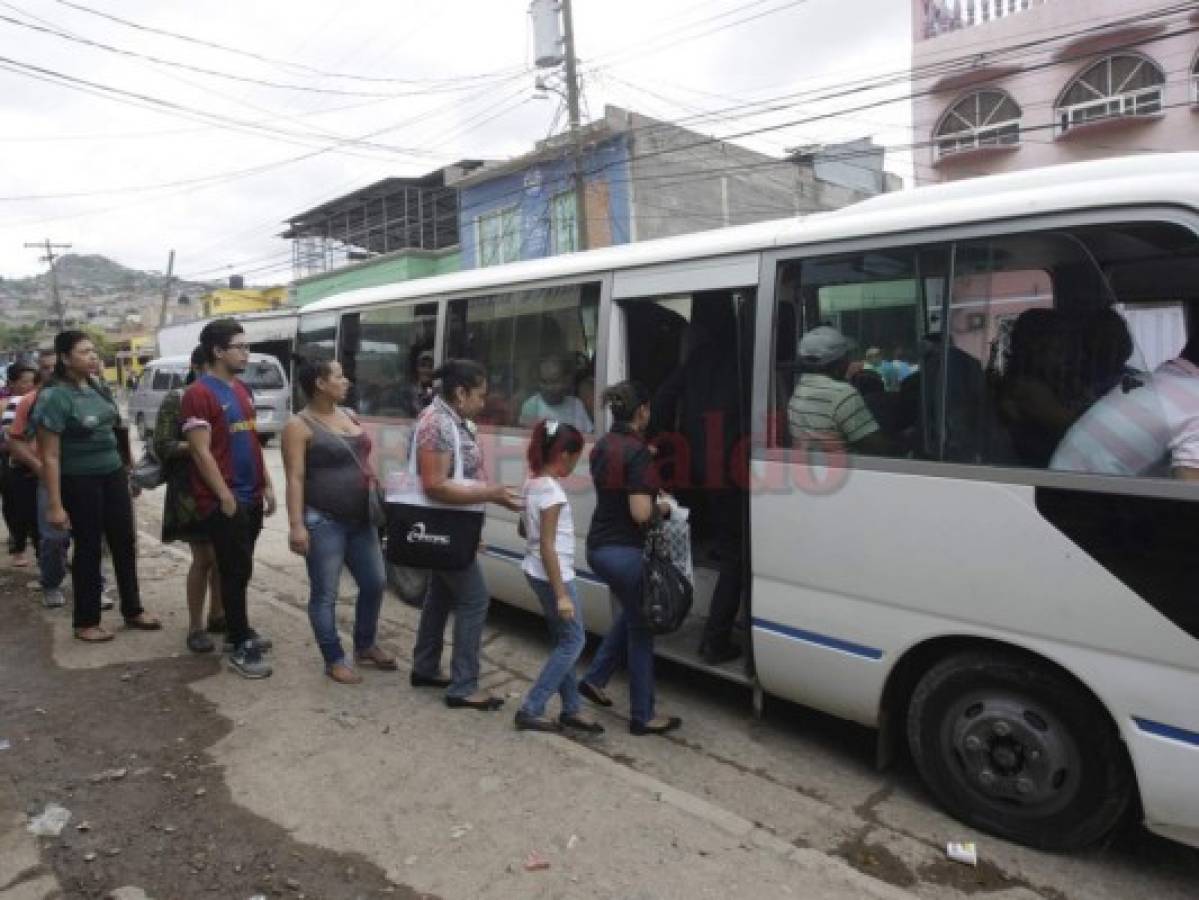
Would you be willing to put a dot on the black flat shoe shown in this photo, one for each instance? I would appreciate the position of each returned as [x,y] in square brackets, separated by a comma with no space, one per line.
[489,704]
[578,724]
[640,728]
[526,722]
[428,681]
[594,694]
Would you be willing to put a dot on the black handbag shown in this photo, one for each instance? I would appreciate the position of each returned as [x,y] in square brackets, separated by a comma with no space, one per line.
[666,593]
[425,534]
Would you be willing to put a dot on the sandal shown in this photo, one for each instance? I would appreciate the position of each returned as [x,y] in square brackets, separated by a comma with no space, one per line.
[343,674]
[143,622]
[93,635]
[377,657]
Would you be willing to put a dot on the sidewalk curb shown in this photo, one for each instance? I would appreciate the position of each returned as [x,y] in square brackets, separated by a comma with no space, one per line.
[730,823]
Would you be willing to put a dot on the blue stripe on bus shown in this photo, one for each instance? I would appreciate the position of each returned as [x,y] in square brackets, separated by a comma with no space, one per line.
[511,556]
[820,640]
[1167,731]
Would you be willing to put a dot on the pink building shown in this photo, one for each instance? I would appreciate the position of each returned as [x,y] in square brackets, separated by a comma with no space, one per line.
[1000,85]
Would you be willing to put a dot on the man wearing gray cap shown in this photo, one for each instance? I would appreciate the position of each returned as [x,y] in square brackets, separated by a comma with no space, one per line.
[825,411]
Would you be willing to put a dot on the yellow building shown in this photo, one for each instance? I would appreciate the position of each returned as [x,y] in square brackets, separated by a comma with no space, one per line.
[230,301]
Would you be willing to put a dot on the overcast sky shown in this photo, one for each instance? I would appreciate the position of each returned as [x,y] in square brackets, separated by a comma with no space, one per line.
[211,166]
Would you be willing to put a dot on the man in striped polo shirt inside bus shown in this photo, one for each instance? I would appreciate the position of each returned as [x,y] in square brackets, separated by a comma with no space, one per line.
[826,412]
[1148,425]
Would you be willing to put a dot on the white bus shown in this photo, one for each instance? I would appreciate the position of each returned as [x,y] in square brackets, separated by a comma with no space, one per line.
[1029,633]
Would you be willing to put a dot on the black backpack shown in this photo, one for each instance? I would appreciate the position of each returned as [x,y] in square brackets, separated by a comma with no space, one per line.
[666,593]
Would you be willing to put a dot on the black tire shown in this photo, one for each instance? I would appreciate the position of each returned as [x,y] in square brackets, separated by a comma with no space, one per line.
[1012,746]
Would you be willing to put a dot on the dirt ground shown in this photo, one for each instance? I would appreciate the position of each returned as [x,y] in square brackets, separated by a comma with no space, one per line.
[124,749]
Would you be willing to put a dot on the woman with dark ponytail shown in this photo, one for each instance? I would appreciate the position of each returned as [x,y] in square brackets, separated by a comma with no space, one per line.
[627,499]
[446,424]
[87,484]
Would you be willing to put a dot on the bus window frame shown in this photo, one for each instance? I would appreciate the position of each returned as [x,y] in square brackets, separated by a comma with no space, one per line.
[602,277]
[764,348]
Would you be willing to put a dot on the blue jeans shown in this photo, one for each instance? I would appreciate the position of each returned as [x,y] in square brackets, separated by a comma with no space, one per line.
[464,592]
[52,548]
[558,673]
[629,640]
[332,543]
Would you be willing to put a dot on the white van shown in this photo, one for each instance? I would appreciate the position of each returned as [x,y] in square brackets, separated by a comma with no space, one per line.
[264,376]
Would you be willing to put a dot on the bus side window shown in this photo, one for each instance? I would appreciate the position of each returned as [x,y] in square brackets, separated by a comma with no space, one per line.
[381,354]
[537,349]
[850,335]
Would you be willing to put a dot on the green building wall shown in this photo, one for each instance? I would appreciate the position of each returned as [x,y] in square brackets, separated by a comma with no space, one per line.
[376,272]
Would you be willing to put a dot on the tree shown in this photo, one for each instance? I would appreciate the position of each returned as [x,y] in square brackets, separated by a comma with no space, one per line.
[18,337]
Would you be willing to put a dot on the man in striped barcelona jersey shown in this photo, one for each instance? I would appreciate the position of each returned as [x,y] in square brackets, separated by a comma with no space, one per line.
[825,411]
[230,481]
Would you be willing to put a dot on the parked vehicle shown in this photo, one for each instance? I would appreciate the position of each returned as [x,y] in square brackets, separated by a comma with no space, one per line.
[264,376]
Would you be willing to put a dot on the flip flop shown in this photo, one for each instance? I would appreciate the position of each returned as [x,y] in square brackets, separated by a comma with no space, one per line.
[93,635]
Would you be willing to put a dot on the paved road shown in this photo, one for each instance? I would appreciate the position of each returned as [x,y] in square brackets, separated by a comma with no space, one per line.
[810,780]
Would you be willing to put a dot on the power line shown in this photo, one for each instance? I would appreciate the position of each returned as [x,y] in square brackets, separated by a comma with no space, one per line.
[259,82]
[260,57]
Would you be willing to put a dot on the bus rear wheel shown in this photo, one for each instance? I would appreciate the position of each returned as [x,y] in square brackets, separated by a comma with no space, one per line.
[1011,746]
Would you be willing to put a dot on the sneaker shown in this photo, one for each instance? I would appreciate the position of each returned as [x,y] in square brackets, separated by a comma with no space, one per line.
[261,644]
[247,661]
[53,598]
[199,642]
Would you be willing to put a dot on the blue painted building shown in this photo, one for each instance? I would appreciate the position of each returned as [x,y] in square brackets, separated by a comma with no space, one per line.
[526,209]
[645,179]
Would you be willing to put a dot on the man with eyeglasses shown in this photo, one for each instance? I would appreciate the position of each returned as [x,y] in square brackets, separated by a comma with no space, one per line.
[230,481]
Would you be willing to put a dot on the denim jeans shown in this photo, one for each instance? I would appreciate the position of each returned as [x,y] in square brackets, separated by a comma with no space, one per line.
[331,544]
[558,673]
[52,550]
[628,640]
[464,592]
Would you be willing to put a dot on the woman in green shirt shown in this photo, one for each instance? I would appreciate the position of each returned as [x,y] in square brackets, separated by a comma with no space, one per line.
[87,484]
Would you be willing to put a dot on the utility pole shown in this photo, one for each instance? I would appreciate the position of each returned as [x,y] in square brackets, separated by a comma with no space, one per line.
[572,107]
[49,258]
[166,290]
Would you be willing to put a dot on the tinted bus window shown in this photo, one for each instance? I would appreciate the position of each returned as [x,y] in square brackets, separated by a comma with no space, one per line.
[538,347]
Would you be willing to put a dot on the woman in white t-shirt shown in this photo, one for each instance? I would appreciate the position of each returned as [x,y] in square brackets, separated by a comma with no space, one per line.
[554,451]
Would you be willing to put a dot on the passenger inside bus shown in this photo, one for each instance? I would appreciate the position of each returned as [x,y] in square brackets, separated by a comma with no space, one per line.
[553,399]
[826,412]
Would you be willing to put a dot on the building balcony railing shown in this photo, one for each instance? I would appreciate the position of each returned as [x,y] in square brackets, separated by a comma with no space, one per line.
[1001,134]
[943,16]
[1144,102]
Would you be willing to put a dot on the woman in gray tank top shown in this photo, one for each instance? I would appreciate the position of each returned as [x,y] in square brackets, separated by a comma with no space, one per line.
[326,456]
